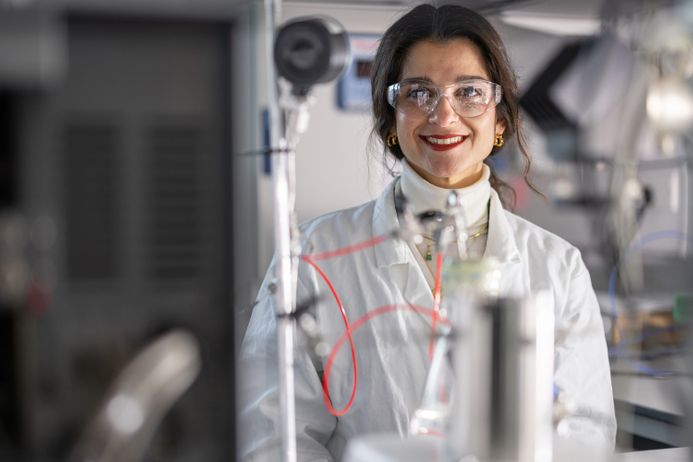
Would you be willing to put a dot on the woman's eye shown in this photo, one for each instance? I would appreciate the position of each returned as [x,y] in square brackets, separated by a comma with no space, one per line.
[419,93]
[470,92]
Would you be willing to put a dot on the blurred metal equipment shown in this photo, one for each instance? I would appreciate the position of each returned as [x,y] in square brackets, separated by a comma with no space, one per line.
[33,45]
[664,46]
[15,271]
[305,52]
[578,86]
[688,392]
[310,51]
[589,102]
[504,404]
[143,393]
[115,216]
[667,50]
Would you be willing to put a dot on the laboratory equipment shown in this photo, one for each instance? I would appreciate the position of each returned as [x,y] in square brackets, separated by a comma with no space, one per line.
[488,391]
[474,282]
[309,51]
[489,387]
[141,396]
[306,51]
[504,359]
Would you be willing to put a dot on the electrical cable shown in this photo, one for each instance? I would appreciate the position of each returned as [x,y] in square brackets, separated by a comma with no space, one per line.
[617,349]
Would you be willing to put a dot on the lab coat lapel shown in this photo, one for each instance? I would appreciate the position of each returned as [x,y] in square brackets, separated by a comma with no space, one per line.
[502,246]
[501,243]
[393,257]
[416,290]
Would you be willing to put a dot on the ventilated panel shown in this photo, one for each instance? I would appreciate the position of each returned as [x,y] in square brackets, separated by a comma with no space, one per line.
[173,211]
[92,216]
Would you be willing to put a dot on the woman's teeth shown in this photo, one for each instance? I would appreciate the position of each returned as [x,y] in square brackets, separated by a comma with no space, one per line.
[452,140]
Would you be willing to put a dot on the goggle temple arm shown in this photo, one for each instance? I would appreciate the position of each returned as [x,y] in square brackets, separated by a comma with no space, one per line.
[499,93]
[392,93]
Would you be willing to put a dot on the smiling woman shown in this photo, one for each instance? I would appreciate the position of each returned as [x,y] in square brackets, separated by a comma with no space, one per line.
[447,40]
[444,100]
[447,139]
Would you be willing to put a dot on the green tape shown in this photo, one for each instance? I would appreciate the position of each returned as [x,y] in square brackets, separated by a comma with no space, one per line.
[683,307]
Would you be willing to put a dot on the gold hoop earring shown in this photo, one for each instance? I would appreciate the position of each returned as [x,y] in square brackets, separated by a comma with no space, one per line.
[392,141]
[499,141]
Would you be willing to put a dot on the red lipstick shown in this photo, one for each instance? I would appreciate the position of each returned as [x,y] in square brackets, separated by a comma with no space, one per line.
[443,142]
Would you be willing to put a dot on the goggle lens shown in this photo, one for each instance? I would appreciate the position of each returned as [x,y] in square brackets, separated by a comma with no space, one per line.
[469,98]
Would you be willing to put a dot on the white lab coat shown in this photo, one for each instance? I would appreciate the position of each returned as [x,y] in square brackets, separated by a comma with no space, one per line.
[392,348]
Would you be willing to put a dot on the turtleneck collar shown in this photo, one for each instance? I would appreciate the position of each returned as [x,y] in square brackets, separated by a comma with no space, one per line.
[425,196]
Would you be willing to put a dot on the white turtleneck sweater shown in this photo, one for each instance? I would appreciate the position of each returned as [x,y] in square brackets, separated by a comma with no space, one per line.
[424,196]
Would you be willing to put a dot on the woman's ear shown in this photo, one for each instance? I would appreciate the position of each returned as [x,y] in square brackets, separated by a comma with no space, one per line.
[501,125]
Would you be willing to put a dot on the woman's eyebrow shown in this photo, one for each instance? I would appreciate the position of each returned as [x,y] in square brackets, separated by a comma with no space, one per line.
[460,78]
[417,79]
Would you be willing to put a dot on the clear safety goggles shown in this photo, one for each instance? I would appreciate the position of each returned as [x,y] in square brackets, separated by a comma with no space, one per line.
[468,98]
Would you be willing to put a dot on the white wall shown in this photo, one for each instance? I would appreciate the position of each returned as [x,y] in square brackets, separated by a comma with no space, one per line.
[334,167]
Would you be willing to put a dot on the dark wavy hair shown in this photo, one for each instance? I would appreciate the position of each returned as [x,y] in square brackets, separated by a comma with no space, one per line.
[439,24]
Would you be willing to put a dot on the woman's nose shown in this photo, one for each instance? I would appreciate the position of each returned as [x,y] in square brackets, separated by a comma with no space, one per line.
[443,114]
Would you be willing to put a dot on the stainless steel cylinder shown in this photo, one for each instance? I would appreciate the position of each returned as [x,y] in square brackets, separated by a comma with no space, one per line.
[503,362]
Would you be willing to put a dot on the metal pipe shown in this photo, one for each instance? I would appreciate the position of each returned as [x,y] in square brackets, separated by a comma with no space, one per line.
[504,354]
[282,178]
[284,299]
[141,396]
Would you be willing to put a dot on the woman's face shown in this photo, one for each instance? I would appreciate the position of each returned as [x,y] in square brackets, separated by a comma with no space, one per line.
[445,149]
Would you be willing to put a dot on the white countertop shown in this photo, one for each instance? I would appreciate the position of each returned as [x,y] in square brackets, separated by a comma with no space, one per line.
[390,448]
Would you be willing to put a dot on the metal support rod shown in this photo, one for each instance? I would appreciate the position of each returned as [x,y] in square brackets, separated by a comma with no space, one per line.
[282,178]
[281,168]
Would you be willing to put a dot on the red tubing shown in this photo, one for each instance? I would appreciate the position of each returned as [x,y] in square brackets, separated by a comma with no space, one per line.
[436,304]
[347,250]
[332,410]
[348,335]
[349,329]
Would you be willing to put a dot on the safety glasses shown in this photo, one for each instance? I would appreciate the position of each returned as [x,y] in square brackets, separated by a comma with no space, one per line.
[468,98]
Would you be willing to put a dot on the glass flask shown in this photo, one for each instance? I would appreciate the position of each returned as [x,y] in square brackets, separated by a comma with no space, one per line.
[470,281]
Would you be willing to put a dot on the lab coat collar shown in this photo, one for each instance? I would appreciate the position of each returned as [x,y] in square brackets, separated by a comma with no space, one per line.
[500,243]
